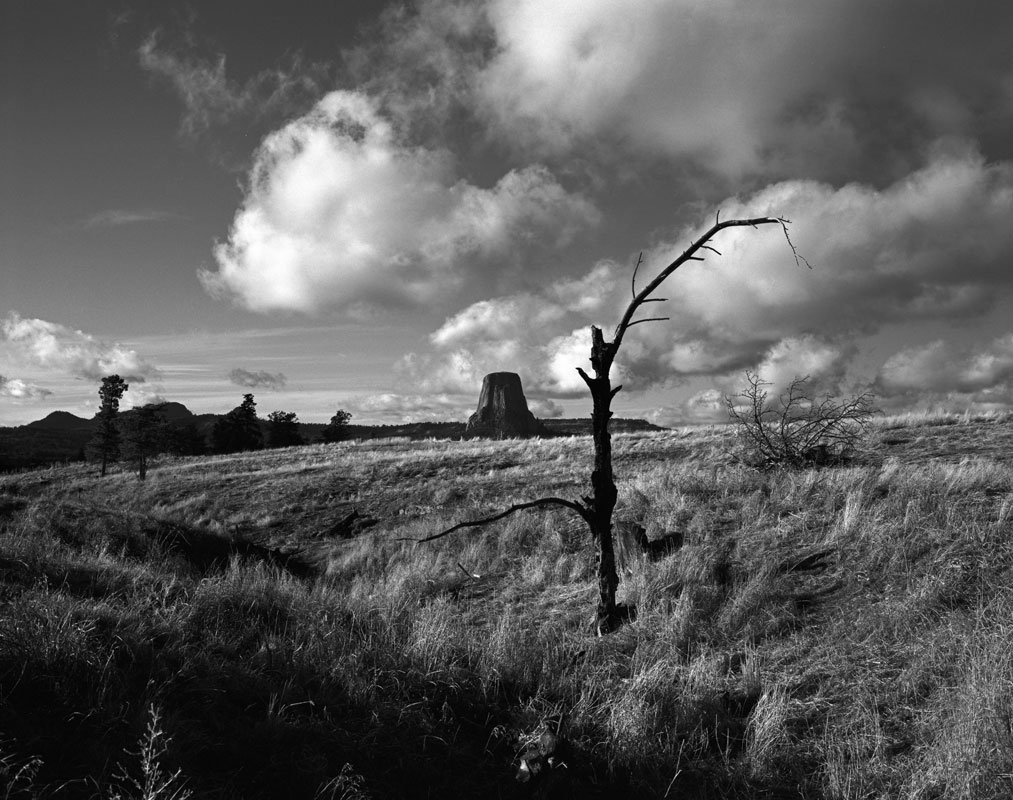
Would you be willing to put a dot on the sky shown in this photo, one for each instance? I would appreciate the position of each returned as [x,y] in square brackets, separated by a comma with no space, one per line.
[370,206]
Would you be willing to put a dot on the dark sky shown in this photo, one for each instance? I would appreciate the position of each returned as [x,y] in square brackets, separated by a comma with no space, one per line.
[366,206]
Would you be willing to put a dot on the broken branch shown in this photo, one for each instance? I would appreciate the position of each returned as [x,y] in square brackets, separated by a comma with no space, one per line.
[633,282]
[542,502]
[648,319]
[784,227]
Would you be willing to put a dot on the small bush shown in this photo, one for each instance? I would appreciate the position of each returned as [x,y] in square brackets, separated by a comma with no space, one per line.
[797,430]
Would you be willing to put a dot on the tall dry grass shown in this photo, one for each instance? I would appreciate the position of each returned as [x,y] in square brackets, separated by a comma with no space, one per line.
[837,633]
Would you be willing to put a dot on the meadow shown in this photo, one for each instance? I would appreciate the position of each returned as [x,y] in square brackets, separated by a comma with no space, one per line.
[262,625]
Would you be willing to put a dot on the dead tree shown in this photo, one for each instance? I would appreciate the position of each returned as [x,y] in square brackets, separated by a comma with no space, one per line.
[596,509]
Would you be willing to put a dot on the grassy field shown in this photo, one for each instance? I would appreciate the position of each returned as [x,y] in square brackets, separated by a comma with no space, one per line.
[256,626]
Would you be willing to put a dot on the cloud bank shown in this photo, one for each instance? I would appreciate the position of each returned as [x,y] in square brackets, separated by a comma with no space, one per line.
[57,347]
[340,213]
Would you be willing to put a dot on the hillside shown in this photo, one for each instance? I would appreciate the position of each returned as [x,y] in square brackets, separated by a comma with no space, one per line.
[61,421]
[58,438]
[61,437]
[265,624]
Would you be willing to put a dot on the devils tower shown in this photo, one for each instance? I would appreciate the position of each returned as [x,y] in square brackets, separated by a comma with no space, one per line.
[502,410]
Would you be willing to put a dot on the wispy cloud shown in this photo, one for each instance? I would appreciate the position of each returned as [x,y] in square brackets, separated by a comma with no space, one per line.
[257,380]
[391,407]
[210,98]
[117,217]
[57,347]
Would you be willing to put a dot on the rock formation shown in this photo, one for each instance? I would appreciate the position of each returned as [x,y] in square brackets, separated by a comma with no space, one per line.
[502,410]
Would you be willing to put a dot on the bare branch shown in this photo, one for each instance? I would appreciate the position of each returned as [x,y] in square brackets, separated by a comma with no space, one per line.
[615,391]
[708,247]
[648,319]
[633,282]
[784,227]
[542,502]
[584,375]
[688,255]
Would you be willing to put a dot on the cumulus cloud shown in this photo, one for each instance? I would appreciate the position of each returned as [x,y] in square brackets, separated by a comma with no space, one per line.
[525,334]
[210,98]
[341,213]
[545,409]
[934,245]
[821,362]
[257,380]
[141,394]
[57,347]
[421,62]
[707,406]
[940,368]
[772,88]
[18,389]
[831,90]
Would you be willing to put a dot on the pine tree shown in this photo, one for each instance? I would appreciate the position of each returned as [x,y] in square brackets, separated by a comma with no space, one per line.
[283,429]
[105,444]
[144,435]
[239,429]
[337,428]
[186,441]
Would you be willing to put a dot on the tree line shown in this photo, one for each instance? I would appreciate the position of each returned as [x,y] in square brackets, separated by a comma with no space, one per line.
[141,433]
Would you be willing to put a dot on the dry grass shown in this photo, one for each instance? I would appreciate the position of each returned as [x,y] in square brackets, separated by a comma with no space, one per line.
[839,633]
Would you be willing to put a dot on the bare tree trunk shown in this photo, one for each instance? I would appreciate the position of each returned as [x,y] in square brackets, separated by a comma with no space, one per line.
[602,502]
[597,509]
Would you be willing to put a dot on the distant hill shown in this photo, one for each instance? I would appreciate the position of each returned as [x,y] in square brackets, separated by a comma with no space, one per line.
[62,421]
[62,436]
[455,430]
[177,412]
